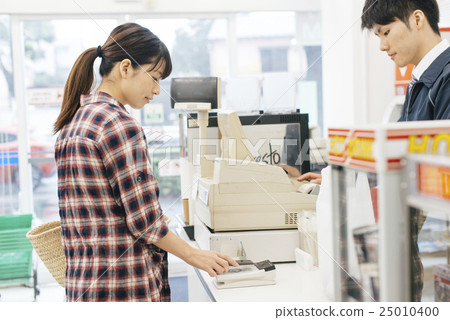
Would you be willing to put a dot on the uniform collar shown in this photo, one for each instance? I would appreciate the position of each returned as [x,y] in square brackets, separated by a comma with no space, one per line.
[429,58]
[430,75]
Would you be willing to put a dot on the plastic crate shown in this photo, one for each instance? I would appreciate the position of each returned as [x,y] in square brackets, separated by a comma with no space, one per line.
[16,251]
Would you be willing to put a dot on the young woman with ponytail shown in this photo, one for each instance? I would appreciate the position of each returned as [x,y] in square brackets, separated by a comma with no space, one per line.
[114,235]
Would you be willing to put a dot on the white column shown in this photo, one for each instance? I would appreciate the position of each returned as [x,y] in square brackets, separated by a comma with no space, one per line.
[341,61]
[25,178]
[380,77]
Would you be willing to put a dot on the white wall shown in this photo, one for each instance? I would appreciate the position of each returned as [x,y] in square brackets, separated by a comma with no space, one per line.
[151,6]
[358,80]
[380,79]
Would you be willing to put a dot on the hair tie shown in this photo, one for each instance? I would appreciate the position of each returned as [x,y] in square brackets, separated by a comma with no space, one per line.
[99,51]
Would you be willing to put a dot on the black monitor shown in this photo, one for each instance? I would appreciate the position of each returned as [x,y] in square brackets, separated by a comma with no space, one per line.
[282,137]
[196,90]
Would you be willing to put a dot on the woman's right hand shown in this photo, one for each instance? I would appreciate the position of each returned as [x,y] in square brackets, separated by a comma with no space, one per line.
[212,262]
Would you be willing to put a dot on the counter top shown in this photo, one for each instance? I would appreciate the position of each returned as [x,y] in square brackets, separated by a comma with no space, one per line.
[292,284]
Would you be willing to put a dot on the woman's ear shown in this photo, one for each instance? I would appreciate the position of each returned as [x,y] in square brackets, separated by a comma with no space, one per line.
[125,68]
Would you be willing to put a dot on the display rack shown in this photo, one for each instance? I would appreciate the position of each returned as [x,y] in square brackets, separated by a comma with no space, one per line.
[370,220]
[428,201]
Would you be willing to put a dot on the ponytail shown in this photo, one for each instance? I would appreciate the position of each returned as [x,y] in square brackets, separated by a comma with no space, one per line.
[126,41]
[80,82]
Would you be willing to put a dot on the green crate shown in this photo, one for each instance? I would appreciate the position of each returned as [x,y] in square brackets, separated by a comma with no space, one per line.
[13,221]
[13,240]
[15,267]
[16,250]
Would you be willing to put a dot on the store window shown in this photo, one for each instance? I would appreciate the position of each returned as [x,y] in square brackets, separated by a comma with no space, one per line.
[278,63]
[193,53]
[265,64]
[270,33]
[51,47]
[274,59]
[9,199]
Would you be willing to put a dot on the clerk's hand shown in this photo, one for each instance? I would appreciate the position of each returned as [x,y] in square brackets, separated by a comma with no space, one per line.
[212,262]
[311,177]
[290,170]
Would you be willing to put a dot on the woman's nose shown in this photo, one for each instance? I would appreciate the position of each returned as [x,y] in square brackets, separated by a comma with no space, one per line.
[156,88]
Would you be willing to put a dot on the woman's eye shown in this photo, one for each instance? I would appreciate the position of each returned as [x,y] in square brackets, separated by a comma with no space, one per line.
[386,33]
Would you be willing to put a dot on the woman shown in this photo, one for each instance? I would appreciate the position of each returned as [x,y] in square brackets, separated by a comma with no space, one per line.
[114,235]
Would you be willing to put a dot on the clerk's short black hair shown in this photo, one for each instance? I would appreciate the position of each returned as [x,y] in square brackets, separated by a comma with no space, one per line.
[384,12]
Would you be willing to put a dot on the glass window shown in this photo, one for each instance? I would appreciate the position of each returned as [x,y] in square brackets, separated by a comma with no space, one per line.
[268,62]
[274,59]
[309,87]
[262,35]
[191,45]
[279,66]
[9,174]
[51,48]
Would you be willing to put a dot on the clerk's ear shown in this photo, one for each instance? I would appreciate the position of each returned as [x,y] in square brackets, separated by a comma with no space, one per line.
[125,68]
[418,19]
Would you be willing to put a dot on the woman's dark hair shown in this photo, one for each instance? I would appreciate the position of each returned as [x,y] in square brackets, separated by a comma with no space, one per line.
[127,41]
[384,12]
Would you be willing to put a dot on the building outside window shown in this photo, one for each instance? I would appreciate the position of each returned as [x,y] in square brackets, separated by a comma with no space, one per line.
[274,59]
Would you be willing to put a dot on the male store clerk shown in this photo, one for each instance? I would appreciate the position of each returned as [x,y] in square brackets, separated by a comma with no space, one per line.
[409,33]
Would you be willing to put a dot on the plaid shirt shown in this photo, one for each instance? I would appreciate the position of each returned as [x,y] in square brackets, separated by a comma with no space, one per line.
[108,205]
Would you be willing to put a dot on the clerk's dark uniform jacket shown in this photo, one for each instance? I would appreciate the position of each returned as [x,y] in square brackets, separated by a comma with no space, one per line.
[429,97]
[108,205]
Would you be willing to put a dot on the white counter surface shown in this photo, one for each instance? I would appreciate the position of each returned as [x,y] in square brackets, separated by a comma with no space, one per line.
[292,284]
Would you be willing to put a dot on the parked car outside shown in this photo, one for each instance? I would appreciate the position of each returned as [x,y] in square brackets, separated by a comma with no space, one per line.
[9,161]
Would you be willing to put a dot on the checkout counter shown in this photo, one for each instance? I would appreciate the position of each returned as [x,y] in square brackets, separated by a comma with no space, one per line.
[370,244]
[250,209]
[373,235]
[293,284]
[240,203]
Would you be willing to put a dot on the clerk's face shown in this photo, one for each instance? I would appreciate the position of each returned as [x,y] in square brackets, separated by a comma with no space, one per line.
[141,88]
[399,42]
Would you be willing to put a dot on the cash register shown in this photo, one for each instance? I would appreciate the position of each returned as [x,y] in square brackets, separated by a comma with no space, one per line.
[238,200]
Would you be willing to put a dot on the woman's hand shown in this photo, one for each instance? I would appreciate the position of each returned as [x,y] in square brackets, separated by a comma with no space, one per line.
[212,262]
[311,177]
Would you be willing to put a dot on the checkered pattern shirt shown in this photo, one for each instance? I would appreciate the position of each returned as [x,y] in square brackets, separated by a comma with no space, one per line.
[108,205]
